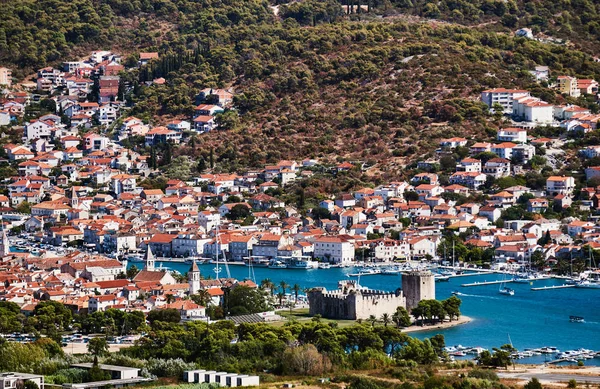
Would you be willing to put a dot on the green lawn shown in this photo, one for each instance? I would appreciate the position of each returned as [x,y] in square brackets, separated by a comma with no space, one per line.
[302,315]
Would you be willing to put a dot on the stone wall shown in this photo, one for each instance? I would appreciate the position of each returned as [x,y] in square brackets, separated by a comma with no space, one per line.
[355,304]
[352,303]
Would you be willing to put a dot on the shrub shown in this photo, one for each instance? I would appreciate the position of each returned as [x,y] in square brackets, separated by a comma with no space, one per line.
[167,367]
[484,374]
[534,383]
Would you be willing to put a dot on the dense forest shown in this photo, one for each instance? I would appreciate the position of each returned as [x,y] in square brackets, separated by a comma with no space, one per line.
[313,79]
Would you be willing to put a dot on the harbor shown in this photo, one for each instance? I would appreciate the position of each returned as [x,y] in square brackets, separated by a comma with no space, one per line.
[533,319]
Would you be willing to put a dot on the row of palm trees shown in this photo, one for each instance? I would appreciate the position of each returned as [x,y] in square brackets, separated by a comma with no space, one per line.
[267,284]
[400,318]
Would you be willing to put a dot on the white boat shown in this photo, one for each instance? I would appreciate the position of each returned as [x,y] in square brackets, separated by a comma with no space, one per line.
[390,271]
[324,266]
[256,261]
[507,291]
[549,350]
[588,284]
[274,264]
[368,272]
[441,278]
[301,263]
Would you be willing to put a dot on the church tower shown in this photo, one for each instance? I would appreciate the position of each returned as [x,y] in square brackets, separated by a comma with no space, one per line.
[4,244]
[74,198]
[149,260]
[194,278]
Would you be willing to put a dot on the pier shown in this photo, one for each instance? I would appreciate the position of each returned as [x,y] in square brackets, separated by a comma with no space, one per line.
[564,286]
[457,268]
[483,283]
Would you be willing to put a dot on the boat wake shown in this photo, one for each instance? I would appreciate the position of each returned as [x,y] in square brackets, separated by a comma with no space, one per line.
[479,296]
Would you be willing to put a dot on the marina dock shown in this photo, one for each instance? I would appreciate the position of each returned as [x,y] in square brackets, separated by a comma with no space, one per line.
[483,283]
[564,286]
[456,268]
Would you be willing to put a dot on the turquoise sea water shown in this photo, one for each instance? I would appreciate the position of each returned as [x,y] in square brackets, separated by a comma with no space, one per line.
[532,319]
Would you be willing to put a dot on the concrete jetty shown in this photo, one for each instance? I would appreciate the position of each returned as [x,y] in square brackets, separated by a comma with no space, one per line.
[564,286]
[483,283]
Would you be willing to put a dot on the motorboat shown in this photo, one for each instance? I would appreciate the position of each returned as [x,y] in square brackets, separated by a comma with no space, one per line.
[456,293]
[549,350]
[441,278]
[588,284]
[390,271]
[324,266]
[367,272]
[302,263]
[576,319]
[274,264]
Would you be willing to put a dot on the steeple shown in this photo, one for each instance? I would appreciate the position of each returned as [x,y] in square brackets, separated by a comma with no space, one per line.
[149,260]
[4,243]
[74,198]
[194,278]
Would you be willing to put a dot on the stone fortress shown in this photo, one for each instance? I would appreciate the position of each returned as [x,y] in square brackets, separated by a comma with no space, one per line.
[353,302]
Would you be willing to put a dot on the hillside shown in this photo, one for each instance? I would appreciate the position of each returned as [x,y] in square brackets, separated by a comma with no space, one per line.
[314,82]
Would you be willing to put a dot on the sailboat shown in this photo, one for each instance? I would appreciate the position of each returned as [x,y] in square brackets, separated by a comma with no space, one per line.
[217,270]
[505,289]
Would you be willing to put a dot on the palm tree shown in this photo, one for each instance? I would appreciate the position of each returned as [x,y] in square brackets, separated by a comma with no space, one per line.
[268,284]
[283,285]
[385,319]
[170,298]
[372,319]
[280,296]
[203,297]
[296,289]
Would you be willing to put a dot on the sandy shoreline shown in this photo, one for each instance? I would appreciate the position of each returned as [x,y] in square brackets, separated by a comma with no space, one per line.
[440,326]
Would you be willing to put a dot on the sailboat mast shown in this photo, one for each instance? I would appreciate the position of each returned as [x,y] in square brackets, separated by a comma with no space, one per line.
[453,255]
[218,248]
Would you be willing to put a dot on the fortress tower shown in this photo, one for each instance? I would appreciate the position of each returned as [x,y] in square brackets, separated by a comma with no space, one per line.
[417,286]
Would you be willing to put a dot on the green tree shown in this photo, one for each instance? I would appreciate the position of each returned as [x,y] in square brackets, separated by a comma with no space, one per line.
[268,284]
[239,211]
[452,307]
[97,347]
[203,297]
[401,317]
[24,207]
[243,300]
[418,351]
[132,272]
[296,289]
[169,315]
[283,285]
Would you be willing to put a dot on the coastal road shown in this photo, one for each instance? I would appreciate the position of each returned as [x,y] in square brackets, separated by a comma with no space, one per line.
[551,377]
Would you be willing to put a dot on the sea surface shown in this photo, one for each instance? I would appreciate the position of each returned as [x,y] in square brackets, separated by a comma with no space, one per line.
[529,319]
